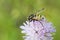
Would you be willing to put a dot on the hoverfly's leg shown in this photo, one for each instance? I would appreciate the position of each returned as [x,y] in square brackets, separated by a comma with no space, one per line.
[41,24]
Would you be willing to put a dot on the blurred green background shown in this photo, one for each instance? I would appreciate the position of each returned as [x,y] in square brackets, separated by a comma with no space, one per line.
[14,12]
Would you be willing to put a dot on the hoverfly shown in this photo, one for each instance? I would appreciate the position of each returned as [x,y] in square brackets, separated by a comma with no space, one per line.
[35,17]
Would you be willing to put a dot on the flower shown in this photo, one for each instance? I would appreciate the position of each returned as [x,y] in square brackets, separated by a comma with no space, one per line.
[38,30]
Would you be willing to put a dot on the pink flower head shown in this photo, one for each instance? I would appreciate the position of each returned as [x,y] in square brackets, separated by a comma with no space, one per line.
[38,30]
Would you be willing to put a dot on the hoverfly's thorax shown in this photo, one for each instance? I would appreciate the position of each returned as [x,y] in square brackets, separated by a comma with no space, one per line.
[34,17]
